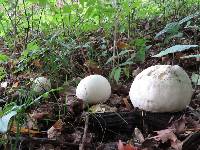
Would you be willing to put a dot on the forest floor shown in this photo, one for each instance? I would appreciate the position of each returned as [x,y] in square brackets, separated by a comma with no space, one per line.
[59,120]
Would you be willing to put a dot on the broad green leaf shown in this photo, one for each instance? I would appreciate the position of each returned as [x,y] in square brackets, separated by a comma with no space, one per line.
[126,63]
[30,47]
[117,74]
[186,19]
[178,35]
[4,121]
[174,49]
[140,55]
[140,42]
[169,28]
[196,79]
[191,56]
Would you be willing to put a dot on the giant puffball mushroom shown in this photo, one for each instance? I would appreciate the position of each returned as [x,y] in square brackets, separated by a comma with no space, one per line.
[41,85]
[161,88]
[93,89]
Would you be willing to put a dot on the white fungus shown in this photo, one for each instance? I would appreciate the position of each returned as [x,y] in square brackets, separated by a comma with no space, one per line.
[93,89]
[161,88]
[41,85]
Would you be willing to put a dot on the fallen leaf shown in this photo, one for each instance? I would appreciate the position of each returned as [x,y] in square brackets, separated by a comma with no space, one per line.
[77,135]
[168,135]
[121,44]
[115,100]
[121,146]
[24,130]
[58,125]
[165,135]
[93,67]
[128,106]
[138,135]
[37,63]
[55,130]
[179,125]
[15,85]
[38,115]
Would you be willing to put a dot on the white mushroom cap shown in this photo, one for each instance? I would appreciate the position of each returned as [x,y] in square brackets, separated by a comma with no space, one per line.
[41,84]
[93,89]
[161,88]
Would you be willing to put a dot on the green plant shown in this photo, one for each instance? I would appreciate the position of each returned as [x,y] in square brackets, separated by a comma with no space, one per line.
[2,73]
[173,30]
[174,49]
[127,57]
[13,109]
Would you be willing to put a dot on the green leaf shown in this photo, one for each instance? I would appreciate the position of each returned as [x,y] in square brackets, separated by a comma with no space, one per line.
[196,78]
[4,121]
[126,63]
[191,56]
[2,73]
[126,71]
[67,9]
[140,55]
[117,74]
[43,2]
[30,47]
[124,52]
[186,19]
[110,59]
[172,27]
[174,49]
[3,58]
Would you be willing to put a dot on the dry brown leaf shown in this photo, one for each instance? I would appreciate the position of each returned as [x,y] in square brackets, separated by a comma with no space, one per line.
[165,135]
[168,134]
[38,115]
[93,67]
[128,106]
[121,44]
[24,130]
[15,85]
[121,146]
[179,125]
[55,130]
[37,63]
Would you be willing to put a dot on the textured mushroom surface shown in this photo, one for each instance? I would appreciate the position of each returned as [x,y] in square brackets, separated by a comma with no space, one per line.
[93,89]
[41,84]
[161,88]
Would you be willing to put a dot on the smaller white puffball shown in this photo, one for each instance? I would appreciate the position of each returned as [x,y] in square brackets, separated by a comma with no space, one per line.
[161,88]
[93,89]
[41,85]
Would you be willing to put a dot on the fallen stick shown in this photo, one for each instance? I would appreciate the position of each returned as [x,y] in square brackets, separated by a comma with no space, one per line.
[82,145]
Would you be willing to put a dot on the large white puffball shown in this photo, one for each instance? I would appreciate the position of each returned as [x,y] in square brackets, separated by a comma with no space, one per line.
[93,89]
[161,88]
[41,85]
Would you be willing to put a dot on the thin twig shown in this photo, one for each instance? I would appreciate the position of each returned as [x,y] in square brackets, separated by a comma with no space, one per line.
[82,145]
